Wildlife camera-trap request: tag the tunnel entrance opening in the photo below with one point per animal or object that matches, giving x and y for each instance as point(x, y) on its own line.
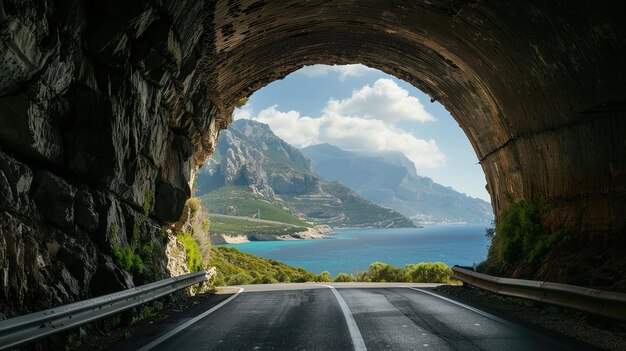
point(519, 108)
point(295, 138)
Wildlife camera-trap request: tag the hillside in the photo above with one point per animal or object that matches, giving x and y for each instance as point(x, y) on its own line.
point(391, 180)
point(235, 268)
point(254, 171)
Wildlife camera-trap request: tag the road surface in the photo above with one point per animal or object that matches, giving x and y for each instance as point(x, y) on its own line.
point(348, 316)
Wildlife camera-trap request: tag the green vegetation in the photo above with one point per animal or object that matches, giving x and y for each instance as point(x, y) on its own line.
point(148, 198)
point(149, 309)
point(198, 226)
point(519, 236)
point(194, 257)
point(240, 201)
point(127, 259)
point(131, 257)
point(425, 272)
point(241, 101)
point(236, 226)
point(344, 278)
point(125, 256)
point(235, 268)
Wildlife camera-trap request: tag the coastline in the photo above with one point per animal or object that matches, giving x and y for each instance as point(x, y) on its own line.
point(314, 233)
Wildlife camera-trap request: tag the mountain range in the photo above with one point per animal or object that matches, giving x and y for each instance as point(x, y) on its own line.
point(390, 179)
point(268, 177)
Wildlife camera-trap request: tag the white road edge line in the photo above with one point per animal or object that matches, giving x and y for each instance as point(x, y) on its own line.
point(483, 313)
point(181, 327)
point(491, 316)
point(355, 334)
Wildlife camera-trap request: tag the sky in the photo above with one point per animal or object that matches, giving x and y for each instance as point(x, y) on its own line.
point(361, 109)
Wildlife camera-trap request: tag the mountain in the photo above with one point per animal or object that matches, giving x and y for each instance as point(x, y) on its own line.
point(259, 170)
point(390, 179)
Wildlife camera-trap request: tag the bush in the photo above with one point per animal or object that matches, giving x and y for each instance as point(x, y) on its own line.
point(428, 272)
point(343, 278)
point(128, 259)
point(241, 101)
point(194, 206)
point(520, 234)
point(323, 277)
point(239, 279)
point(194, 257)
point(383, 272)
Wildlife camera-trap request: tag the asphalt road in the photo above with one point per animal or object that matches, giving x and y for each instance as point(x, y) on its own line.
point(349, 317)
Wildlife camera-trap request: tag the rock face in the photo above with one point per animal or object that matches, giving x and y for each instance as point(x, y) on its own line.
point(250, 155)
point(120, 101)
point(103, 113)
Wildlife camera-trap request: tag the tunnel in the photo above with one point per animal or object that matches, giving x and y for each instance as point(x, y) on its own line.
point(108, 108)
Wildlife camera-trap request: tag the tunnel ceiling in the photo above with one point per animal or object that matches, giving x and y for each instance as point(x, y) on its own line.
point(526, 81)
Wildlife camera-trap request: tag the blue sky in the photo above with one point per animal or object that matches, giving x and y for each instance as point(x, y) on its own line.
point(361, 109)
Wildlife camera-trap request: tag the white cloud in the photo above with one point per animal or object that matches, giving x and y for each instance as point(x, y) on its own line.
point(385, 100)
point(344, 71)
point(244, 112)
point(351, 133)
point(363, 122)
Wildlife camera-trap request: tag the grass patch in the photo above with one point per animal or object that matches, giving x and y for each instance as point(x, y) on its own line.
point(193, 257)
point(240, 201)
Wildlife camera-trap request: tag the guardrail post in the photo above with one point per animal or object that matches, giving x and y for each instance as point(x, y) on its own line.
point(22, 330)
point(604, 303)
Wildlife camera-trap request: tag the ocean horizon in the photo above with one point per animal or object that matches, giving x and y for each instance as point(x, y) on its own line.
point(353, 250)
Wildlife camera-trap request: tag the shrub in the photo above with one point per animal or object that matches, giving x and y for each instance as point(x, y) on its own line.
point(323, 277)
point(383, 272)
point(128, 259)
point(239, 279)
point(193, 257)
point(241, 101)
point(344, 278)
point(194, 207)
point(428, 272)
point(520, 234)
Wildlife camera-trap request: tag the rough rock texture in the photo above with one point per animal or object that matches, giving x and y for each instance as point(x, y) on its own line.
point(264, 167)
point(120, 101)
point(104, 114)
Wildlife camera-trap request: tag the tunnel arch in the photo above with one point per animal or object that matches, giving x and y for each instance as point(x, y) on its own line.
point(521, 94)
point(108, 107)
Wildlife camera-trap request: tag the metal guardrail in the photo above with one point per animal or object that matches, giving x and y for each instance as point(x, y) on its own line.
point(26, 329)
point(604, 303)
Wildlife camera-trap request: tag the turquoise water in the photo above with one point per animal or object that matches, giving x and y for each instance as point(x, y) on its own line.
point(351, 250)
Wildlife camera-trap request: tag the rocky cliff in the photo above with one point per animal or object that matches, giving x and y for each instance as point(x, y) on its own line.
point(249, 154)
point(102, 116)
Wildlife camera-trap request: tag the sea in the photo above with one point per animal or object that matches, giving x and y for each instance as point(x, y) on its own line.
point(352, 250)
